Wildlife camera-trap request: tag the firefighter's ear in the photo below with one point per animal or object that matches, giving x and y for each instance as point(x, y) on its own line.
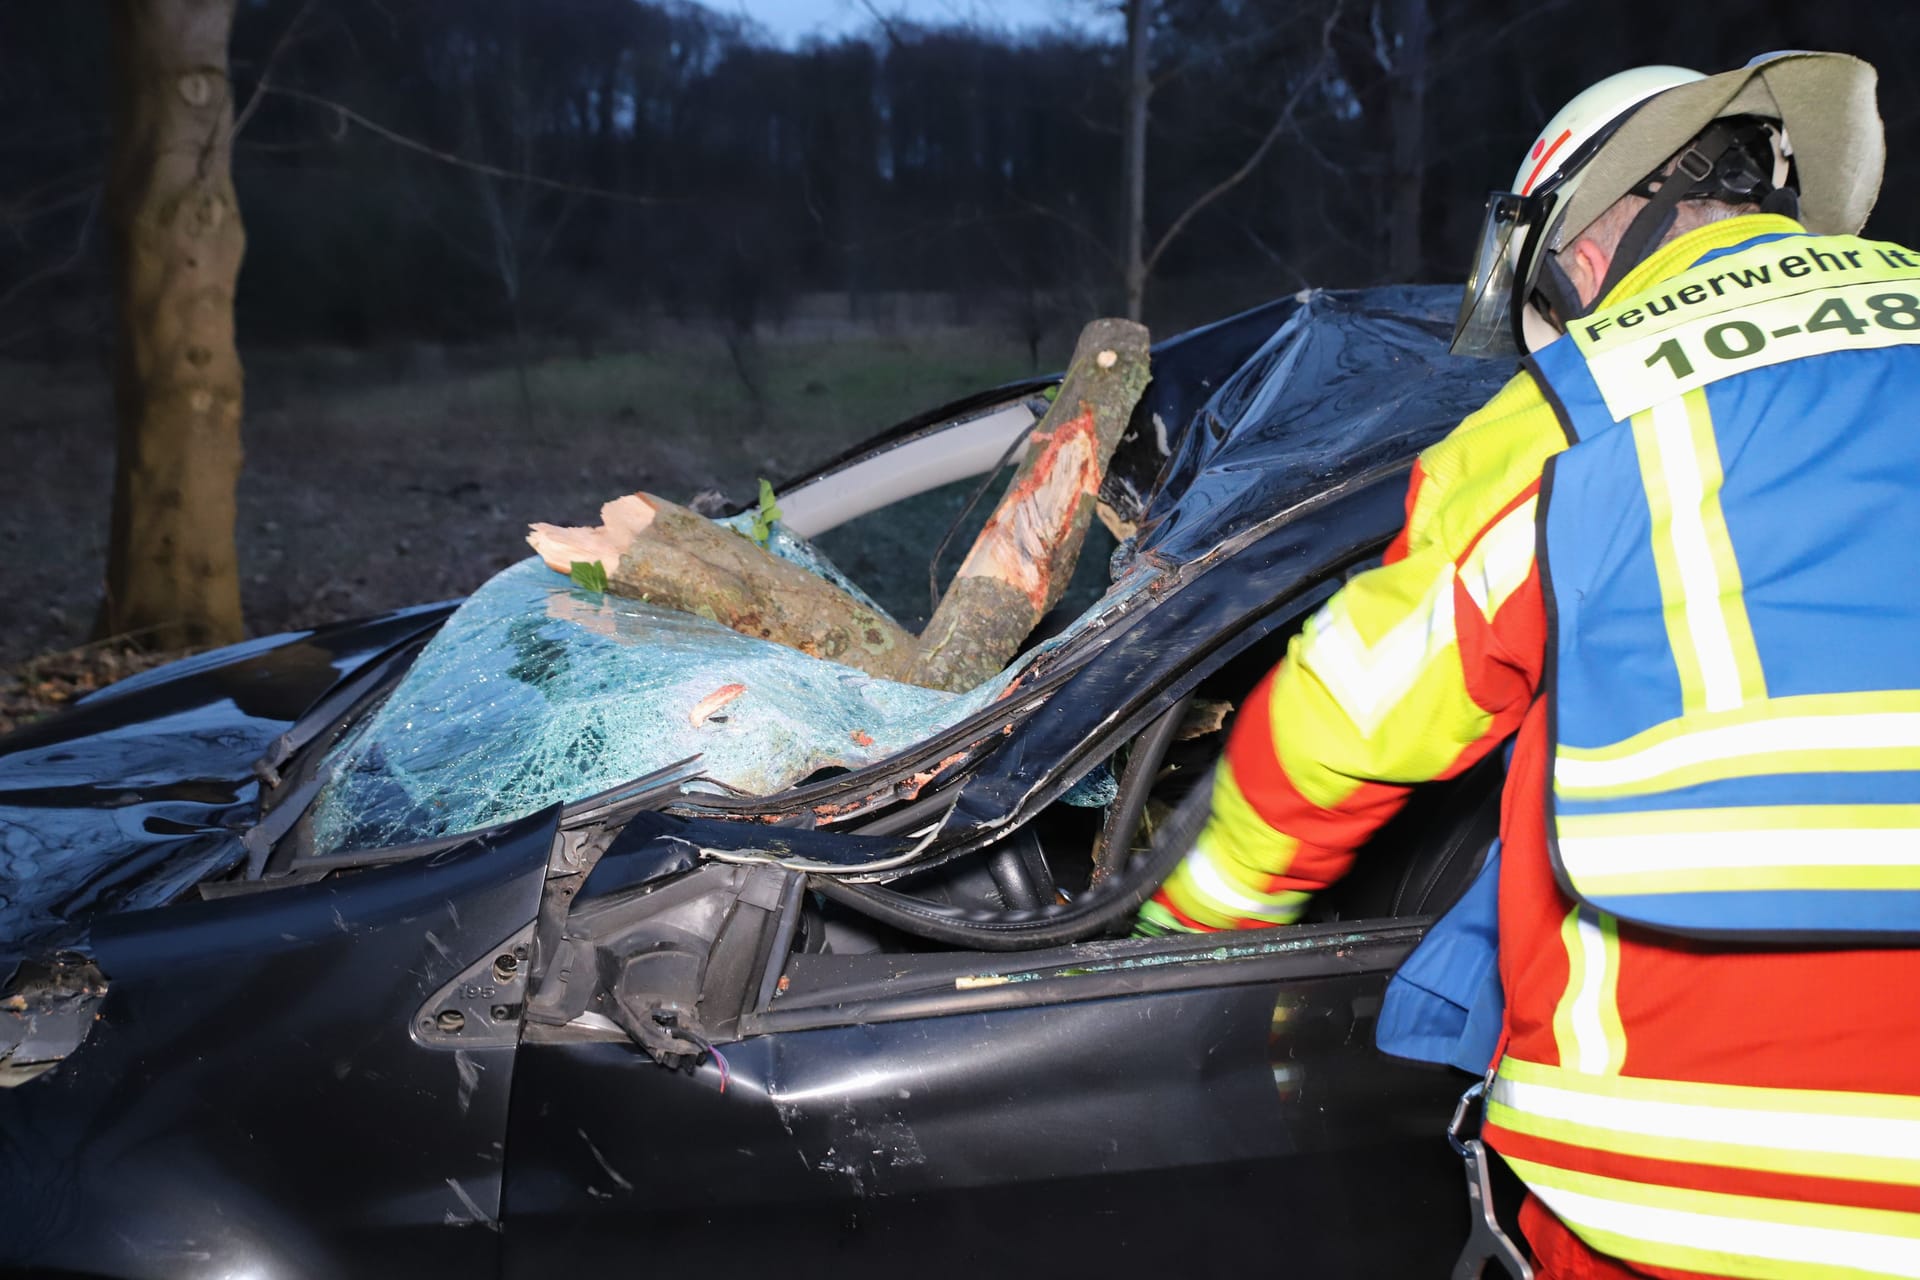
point(1586, 262)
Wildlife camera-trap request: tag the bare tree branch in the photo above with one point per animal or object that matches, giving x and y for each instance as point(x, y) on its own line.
point(1072, 224)
point(1185, 65)
point(1280, 125)
point(18, 214)
point(888, 26)
point(1481, 48)
point(348, 115)
point(64, 265)
point(1271, 254)
point(265, 77)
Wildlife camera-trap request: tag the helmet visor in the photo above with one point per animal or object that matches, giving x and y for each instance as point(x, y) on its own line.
point(1485, 326)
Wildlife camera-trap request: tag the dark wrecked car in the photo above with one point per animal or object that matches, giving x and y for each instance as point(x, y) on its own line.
point(487, 939)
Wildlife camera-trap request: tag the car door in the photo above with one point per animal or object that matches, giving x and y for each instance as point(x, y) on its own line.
point(1190, 1103)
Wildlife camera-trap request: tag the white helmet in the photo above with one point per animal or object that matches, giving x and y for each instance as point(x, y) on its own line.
point(1797, 124)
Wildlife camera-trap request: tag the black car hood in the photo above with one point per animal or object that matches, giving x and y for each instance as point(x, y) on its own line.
point(142, 790)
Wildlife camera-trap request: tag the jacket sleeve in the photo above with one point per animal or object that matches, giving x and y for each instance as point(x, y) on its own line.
point(1413, 672)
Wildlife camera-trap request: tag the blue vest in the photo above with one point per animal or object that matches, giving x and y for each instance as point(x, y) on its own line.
point(1730, 550)
point(1730, 554)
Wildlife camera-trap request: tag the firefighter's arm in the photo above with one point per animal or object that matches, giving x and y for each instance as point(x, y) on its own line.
point(1412, 673)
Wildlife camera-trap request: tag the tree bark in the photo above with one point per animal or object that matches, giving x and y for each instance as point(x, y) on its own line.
point(1025, 556)
point(1019, 566)
point(656, 551)
point(172, 569)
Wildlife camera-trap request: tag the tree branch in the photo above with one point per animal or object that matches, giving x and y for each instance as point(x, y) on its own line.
point(64, 265)
point(348, 115)
point(1072, 224)
point(1271, 254)
point(262, 82)
point(888, 26)
point(1187, 64)
point(1479, 49)
point(1252, 162)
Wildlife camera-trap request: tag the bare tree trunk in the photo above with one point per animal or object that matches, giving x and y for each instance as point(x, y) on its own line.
point(1405, 259)
point(172, 570)
point(1134, 164)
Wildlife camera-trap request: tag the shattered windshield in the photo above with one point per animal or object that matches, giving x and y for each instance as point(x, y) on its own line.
point(538, 691)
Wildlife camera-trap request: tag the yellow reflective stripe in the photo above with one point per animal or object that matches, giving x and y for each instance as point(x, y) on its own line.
point(1707, 626)
point(1673, 594)
point(1806, 733)
point(1612, 1028)
point(1727, 1234)
point(1566, 1039)
point(1693, 1093)
point(1765, 847)
point(1586, 1021)
point(1236, 830)
point(1207, 876)
point(1683, 1257)
point(1368, 681)
point(1734, 625)
point(1802, 1213)
point(1501, 560)
point(1216, 883)
point(1413, 725)
point(1757, 818)
point(1901, 1170)
point(1744, 879)
point(1801, 707)
point(1816, 1133)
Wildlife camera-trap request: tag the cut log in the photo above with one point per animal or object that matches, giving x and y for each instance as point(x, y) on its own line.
point(657, 551)
point(1020, 564)
point(1025, 556)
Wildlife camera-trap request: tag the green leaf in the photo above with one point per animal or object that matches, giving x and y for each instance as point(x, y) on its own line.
point(590, 574)
point(763, 518)
point(1052, 393)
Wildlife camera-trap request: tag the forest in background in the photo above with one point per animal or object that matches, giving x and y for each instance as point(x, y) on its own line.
point(681, 163)
point(507, 257)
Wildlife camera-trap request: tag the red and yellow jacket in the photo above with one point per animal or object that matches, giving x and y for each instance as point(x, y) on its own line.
point(1413, 673)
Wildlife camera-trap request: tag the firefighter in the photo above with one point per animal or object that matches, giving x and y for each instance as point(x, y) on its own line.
point(1675, 563)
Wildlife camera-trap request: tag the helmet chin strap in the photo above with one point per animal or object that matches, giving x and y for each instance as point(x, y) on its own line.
point(1648, 228)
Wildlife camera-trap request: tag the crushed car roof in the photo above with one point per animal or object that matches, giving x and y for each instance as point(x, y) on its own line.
point(1265, 434)
point(538, 691)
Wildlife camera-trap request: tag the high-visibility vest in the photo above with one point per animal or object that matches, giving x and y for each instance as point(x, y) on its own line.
point(1730, 553)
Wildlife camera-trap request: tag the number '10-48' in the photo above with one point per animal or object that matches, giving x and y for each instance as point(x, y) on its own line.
point(1737, 339)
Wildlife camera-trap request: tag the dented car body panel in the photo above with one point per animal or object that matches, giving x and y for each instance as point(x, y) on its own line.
point(254, 1099)
point(1246, 1125)
point(505, 1051)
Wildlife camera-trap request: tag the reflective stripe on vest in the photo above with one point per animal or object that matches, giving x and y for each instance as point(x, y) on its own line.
point(1734, 678)
point(1853, 1137)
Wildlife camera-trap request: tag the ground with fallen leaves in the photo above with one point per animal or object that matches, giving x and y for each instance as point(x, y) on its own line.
point(375, 480)
point(42, 685)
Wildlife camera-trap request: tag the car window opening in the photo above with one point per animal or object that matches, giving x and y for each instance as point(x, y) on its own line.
point(1414, 868)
